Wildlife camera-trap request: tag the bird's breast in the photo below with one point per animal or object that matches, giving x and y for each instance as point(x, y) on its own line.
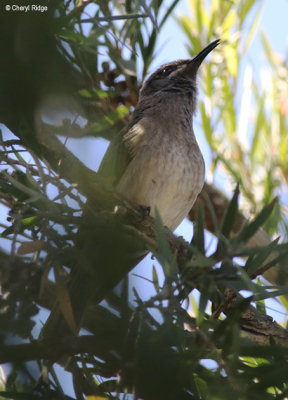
point(167, 170)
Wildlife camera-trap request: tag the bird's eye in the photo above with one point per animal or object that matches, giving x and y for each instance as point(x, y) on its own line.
point(167, 70)
point(162, 73)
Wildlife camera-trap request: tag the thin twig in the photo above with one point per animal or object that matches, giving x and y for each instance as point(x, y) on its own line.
point(114, 18)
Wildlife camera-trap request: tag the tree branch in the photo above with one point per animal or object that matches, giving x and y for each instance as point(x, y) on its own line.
point(70, 168)
point(212, 198)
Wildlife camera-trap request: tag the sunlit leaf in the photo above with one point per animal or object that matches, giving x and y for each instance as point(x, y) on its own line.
point(128, 67)
point(270, 54)
point(229, 20)
point(232, 59)
point(155, 279)
point(253, 29)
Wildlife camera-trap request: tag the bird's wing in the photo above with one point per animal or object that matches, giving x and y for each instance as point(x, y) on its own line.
point(116, 159)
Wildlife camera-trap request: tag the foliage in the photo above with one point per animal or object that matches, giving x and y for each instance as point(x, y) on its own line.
point(158, 348)
point(247, 131)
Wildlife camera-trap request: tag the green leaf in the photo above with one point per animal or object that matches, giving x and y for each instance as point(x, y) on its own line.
point(198, 240)
point(256, 261)
point(201, 386)
point(199, 17)
point(85, 93)
point(203, 302)
point(168, 13)
point(128, 67)
point(251, 228)
point(231, 214)
point(271, 294)
point(229, 20)
point(71, 35)
point(252, 30)
point(19, 395)
point(228, 222)
point(107, 386)
point(206, 124)
point(199, 260)
point(109, 120)
point(155, 279)
point(260, 304)
point(270, 54)
point(163, 254)
point(245, 7)
point(147, 10)
point(256, 143)
point(186, 25)
point(26, 223)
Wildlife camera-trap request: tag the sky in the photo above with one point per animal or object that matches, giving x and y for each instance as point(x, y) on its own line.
point(273, 21)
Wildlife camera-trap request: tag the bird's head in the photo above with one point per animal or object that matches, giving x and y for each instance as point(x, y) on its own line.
point(176, 75)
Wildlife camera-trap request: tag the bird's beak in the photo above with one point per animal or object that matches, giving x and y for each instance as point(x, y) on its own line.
point(195, 63)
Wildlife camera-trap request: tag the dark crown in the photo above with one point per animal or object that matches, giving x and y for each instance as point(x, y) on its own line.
point(181, 73)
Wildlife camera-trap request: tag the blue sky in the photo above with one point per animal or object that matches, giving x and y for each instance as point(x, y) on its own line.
point(273, 22)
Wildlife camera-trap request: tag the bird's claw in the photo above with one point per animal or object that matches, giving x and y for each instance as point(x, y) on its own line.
point(144, 210)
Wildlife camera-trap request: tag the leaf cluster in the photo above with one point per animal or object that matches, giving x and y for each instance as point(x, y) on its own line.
point(243, 107)
point(156, 347)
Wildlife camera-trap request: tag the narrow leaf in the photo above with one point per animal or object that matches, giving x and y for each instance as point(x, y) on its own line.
point(251, 228)
point(163, 253)
point(231, 214)
point(64, 300)
point(30, 247)
point(198, 237)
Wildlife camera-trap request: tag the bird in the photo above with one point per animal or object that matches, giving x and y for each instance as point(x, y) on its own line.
point(156, 161)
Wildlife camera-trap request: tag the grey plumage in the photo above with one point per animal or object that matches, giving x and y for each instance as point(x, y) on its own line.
point(156, 160)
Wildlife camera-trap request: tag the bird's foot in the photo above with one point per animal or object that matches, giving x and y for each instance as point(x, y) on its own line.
point(144, 210)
